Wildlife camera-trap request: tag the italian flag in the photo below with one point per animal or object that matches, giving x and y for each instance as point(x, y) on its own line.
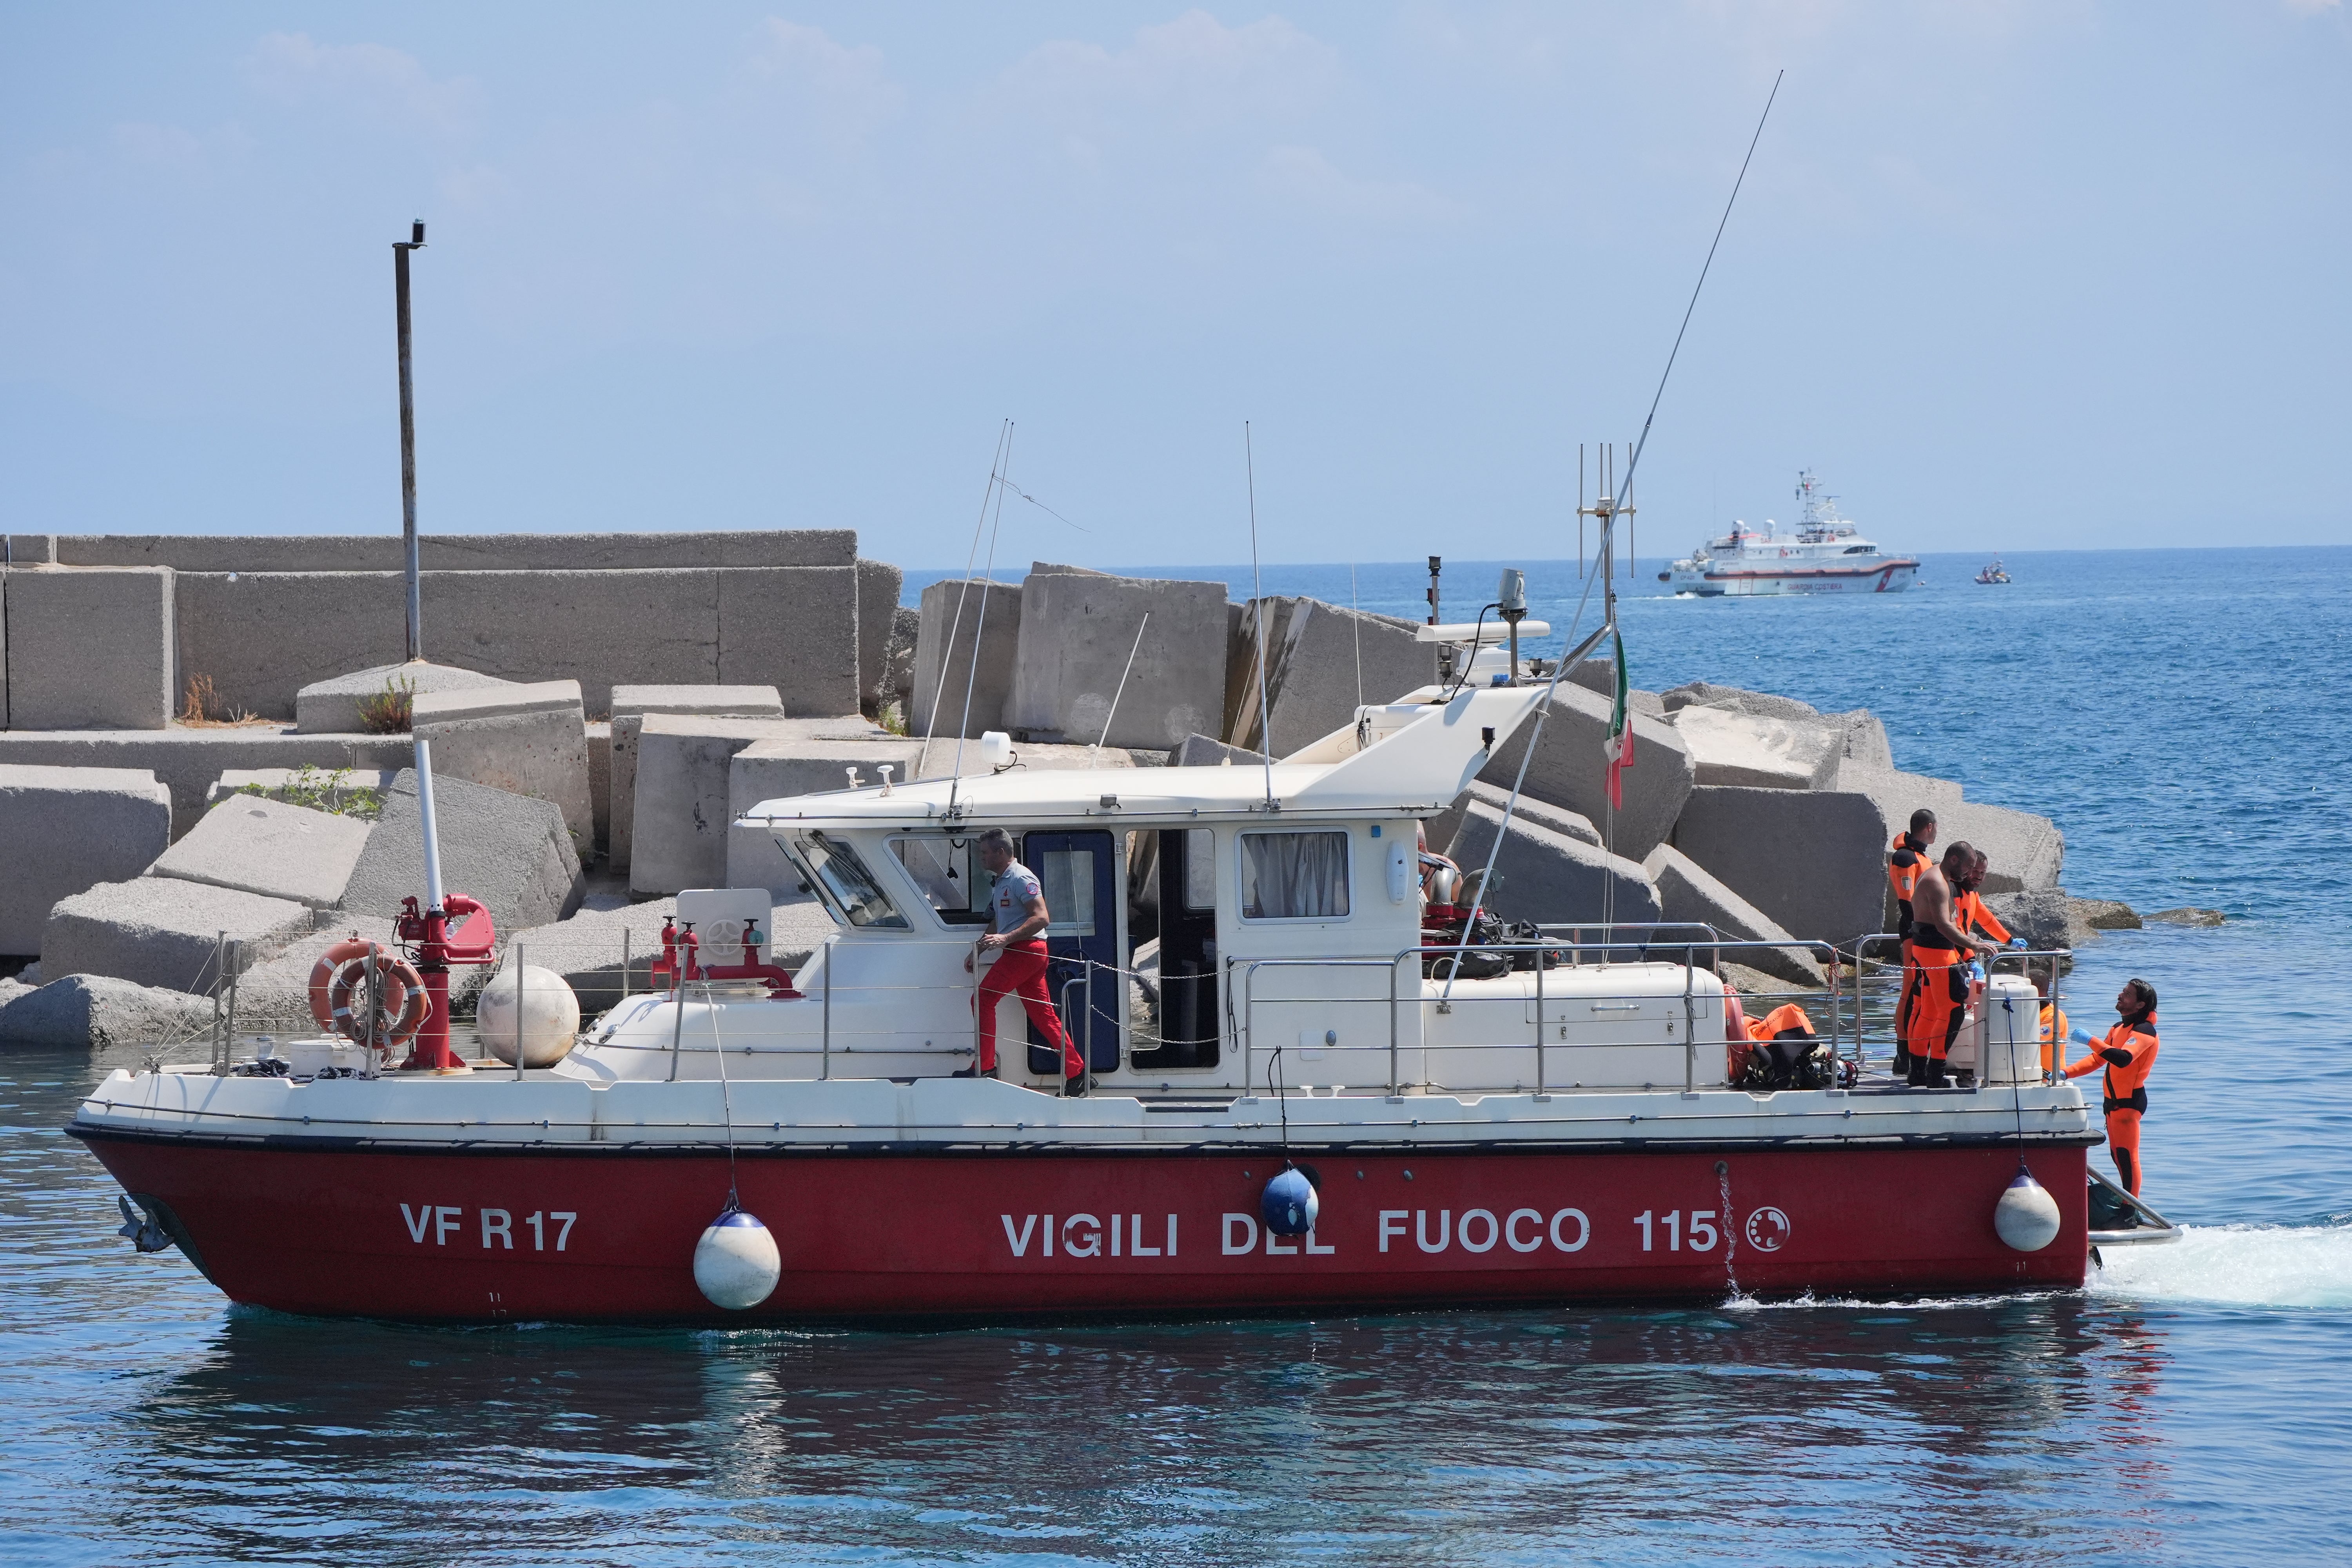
point(1619, 747)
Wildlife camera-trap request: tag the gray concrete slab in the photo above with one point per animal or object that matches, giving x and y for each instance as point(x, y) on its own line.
point(1072, 674)
point(1601, 675)
point(2023, 852)
point(630, 704)
point(1728, 746)
point(1813, 861)
point(906, 631)
point(1761, 704)
point(160, 931)
point(1568, 824)
point(257, 845)
point(66, 829)
point(1548, 877)
point(595, 628)
point(879, 586)
point(95, 1012)
point(1570, 771)
point(1206, 751)
point(261, 637)
point(525, 740)
point(1866, 745)
point(959, 690)
point(600, 782)
point(254, 554)
point(188, 761)
point(680, 828)
point(332, 707)
point(342, 791)
point(90, 649)
point(510, 852)
point(795, 628)
point(774, 769)
point(1688, 891)
point(1327, 661)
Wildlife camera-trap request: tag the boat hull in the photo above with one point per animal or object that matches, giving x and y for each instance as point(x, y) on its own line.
point(1743, 583)
point(1002, 1234)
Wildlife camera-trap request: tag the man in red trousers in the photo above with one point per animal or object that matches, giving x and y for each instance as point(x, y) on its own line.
point(1017, 906)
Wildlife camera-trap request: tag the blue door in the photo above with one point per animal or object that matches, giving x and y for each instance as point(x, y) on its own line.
point(1081, 903)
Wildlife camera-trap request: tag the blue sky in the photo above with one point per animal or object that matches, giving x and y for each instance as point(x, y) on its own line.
point(2006, 274)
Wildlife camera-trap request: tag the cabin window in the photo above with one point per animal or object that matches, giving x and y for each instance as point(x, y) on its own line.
point(846, 883)
point(1200, 869)
point(943, 869)
point(1294, 876)
point(1068, 877)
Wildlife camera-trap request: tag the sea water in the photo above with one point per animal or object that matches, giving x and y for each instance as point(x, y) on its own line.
point(2180, 713)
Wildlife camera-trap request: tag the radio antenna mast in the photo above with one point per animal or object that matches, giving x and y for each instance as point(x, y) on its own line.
point(1257, 588)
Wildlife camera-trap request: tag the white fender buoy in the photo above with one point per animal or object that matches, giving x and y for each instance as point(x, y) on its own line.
point(1290, 1203)
point(549, 1009)
point(736, 1264)
point(2026, 1217)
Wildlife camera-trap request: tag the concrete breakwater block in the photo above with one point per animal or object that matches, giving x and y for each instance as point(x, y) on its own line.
point(1321, 658)
point(189, 760)
point(160, 931)
point(1549, 877)
point(513, 853)
point(89, 648)
point(1688, 891)
point(525, 740)
point(95, 1012)
point(345, 792)
point(2023, 852)
point(1601, 675)
point(1731, 747)
point(332, 707)
point(1570, 771)
point(1207, 752)
point(1738, 700)
point(1814, 862)
point(782, 769)
point(680, 821)
point(630, 706)
point(65, 830)
point(257, 845)
point(1073, 657)
point(274, 995)
point(1443, 828)
point(937, 761)
point(964, 656)
point(879, 586)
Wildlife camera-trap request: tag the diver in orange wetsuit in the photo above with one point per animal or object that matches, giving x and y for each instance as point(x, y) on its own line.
point(2128, 1054)
point(1906, 860)
point(1936, 995)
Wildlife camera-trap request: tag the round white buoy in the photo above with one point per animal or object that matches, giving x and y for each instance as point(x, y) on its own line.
point(1289, 1203)
point(2026, 1217)
point(549, 1012)
point(736, 1264)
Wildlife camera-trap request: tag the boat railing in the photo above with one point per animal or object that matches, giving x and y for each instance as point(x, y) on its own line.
point(1594, 945)
point(1875, 979)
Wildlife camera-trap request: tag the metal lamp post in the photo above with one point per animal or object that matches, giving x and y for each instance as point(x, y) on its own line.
point(400, 250)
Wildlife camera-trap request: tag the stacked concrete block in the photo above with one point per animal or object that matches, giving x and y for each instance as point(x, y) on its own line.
point(261, 636)
point(782, 769)
point(964, 656)
point(1760, 704)
point(795, 628)
point(1688, 892)
point(1730, 747)
point(161, 932)
point(65, 830)
point(937, 761)
point(630, 706)
point(906, 631)
point(332, 707)
point(89, 648)
point(1866, 745)
point(1570, 771)
point(681, 820)
point(1549, 877)
point(1443, 829)
point(2023, 852)
point(1206, 751)
point(600, 780)
point(1122, 661)
point(99, 1013)
point(879, 584)
point(6, 573)
point(511, 853)
point(525, 740)
point(1601, 675)
point(1812, 861)
point(1322, 657)
point(189, 760)
point(257, 845)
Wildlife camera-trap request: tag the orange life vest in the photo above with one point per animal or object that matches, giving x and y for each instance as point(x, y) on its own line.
point(1904, 862)
point(1968, 914)
point(2053, 1037)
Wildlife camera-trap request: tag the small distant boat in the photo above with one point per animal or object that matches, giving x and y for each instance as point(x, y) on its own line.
point(1993, 574)
point(1827, 554)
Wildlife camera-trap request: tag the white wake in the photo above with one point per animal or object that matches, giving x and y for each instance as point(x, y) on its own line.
point(2241, 1265)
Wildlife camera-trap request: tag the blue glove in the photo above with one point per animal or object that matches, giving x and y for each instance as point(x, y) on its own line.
point(2017, 943)
point(2082, 1037)
point(1976, 972)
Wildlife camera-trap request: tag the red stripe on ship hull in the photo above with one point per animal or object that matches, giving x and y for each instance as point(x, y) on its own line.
point(910, 1237)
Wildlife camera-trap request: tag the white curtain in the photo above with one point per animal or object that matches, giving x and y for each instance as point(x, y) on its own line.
point(1295, 876)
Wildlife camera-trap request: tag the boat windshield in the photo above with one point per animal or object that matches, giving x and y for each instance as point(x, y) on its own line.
point(847, 885)
point(941, 867)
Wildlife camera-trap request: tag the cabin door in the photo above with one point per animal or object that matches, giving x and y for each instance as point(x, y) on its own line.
point(1079, 877)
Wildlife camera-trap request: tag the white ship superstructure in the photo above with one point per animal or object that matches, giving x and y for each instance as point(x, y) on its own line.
point(1827, 554)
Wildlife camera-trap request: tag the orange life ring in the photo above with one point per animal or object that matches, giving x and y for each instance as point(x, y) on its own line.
point(336, 979)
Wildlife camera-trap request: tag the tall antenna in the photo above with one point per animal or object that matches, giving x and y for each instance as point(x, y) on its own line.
point(1257, 588)
point(400, 250)
point(987, 579)
point(955, 627)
